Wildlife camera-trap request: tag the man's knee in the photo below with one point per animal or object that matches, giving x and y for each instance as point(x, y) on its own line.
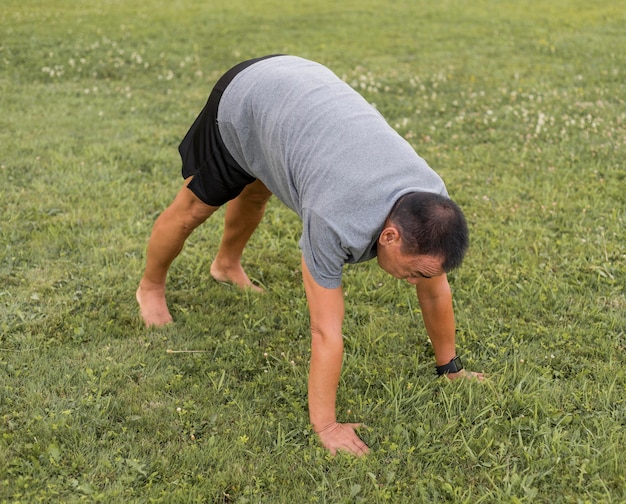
point(199, 212)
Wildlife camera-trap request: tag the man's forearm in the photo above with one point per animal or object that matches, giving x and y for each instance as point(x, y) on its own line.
point(326, 359)
point(438, 315)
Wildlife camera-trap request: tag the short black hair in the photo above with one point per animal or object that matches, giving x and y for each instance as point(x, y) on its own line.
point(431, 224)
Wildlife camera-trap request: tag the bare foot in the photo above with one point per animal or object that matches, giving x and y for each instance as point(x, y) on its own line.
point(152, 306)
point(234, 275)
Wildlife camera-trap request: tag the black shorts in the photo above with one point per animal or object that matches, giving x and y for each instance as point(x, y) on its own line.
point(217, 177)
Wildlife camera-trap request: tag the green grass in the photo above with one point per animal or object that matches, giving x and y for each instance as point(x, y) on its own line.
point(519, 105)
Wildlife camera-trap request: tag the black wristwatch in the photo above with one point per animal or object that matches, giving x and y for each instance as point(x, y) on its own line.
point(454, 366)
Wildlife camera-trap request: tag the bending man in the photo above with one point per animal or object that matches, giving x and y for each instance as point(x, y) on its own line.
point(288, 126)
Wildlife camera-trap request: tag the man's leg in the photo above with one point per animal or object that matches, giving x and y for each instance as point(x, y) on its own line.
point(168, 236)
point(243, 215)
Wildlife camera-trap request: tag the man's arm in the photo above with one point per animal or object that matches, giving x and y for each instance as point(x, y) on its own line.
point(326, 310)
point(435, 298)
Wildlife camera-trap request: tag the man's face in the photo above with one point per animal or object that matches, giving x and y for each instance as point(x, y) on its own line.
point(411, 268)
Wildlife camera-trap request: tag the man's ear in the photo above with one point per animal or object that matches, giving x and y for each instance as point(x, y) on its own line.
point(389, 235)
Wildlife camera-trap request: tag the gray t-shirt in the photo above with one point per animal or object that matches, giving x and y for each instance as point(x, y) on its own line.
point(324, 152)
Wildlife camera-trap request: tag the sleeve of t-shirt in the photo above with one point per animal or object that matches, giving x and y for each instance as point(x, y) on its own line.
point(322, 250)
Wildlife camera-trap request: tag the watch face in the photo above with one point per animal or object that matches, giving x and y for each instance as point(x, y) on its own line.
point(458, 365)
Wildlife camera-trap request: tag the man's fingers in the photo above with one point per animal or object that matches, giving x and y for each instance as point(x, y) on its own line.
point(357, 448)
point(472, 375)
point(356, 426)
point(361, 448)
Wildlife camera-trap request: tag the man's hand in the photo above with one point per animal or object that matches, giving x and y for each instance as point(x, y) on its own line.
point(470, 375)
point(337, 436)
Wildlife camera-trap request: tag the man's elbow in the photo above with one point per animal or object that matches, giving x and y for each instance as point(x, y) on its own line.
point(324, 337)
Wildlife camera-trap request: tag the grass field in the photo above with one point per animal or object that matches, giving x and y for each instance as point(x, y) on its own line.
point(519, 105)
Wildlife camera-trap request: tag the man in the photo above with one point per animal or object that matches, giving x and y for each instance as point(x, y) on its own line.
point(287, 126)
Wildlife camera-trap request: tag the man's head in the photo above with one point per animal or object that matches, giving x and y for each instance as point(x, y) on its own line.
point(425, 235)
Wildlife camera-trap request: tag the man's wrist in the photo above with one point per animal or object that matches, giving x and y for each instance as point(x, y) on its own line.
point(323, 427)
point(454, 366)
point(321, 422)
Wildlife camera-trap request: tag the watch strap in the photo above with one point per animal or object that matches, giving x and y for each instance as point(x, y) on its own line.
point(454, 366)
